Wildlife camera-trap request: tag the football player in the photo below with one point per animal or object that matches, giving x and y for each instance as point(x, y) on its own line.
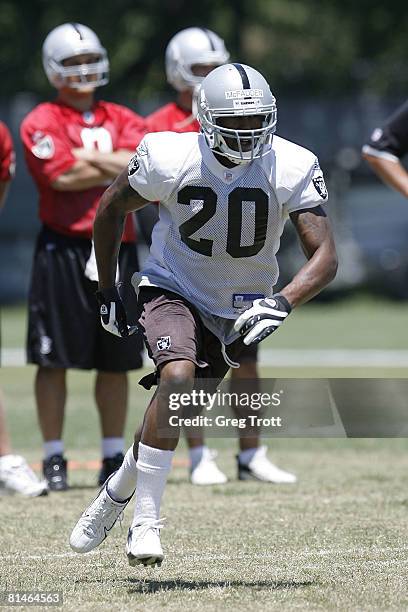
point(224, 198)
point(15, 475)
point(387, 146)
point(74, 147)
point(190, 55)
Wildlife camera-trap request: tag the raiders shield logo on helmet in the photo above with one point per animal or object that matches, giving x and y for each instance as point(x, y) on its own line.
point(320, 187)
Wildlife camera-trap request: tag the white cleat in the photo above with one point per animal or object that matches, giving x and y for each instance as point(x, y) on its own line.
point(260, 468)
point(16, 476)
point(207, 471)
point(143, 544)
point(96, 522)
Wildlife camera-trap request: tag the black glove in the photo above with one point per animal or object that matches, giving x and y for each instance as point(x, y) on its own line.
point(113, 314)
point(263, 318)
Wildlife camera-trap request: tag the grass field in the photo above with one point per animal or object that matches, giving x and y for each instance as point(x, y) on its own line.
point(336, 540)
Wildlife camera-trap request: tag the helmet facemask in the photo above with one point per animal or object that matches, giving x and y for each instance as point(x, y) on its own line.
point(83, 72)
point(217, 136)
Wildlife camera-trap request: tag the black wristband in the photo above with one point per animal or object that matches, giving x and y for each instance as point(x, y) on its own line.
point(283, 301)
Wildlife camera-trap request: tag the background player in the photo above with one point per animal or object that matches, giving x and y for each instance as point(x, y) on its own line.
point(15, 475)
point(190, 55)
point(74, 147)
point(224, 198)
point(387, 146)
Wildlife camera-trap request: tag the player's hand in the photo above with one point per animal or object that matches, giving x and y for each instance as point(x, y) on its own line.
point(263, 318)
point(83, 154)
point(113, 314)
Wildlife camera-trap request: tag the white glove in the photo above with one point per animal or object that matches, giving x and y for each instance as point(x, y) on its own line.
point(263, 318)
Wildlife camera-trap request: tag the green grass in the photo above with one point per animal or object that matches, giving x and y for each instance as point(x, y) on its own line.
point(337, 540)
point(356, 322)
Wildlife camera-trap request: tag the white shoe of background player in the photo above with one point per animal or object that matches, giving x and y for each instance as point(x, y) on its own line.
point(16, 476)
point(207, 472)
point(260, 468)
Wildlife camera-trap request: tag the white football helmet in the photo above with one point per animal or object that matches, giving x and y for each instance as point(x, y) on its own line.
point(188, 47)
point(236, 90)
point(69, 40)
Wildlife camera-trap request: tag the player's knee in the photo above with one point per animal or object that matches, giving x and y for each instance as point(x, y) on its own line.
point(177, 377)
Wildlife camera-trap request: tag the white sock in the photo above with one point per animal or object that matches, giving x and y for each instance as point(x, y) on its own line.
point(53, 447)
point(245, 457)
point(153, 466)
point(196, 454)
point(112, 446)
point(123, 483)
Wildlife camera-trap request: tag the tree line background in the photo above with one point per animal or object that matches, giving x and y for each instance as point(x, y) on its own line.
point(329, 48)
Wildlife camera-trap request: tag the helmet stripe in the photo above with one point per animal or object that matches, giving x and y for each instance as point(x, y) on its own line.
point(77, 30)
point(208, 33)
point(244, 76)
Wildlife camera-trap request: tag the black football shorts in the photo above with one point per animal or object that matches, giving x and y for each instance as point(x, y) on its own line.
point(64, 327)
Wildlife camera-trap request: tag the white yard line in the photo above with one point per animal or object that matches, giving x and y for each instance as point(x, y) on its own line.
point(289, 358)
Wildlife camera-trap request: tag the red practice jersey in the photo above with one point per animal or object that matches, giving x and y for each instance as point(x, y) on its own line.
point(49, 133)
point(6, 154)
point(171, 118)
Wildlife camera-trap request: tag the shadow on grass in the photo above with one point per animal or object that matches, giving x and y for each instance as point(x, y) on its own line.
point(156, 586)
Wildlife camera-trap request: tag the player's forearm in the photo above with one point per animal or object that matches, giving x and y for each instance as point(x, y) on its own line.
point(82, 175)
point(117, 201)
point(316, 238)
point(391, 172)
point(107, 233)
point(110, 164)
point(314, 276)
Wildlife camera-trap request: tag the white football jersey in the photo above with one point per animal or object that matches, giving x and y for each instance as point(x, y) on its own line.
point(219, 228)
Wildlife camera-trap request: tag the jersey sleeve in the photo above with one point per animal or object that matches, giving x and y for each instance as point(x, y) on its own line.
point(47, 150)
point(150, 171)
point(310, 191)
point(7, 157)
point(132, 129)
point(391, 140)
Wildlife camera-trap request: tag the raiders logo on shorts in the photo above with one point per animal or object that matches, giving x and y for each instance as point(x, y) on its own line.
point(133, 165)
point(320, 186)
point(163, 343)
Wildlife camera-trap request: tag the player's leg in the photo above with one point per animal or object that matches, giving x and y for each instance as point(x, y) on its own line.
point(50, 396)
point(15, 474)
point(170, 334)
point(111, 389)
point(173, 337)
point(252, 461)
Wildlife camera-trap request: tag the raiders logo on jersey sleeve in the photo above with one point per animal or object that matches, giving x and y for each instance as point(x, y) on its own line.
point(133, 165)
point(43, 146)
point(320, 186)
